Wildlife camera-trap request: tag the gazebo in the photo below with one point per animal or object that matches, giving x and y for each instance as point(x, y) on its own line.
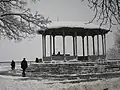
point(74, 29)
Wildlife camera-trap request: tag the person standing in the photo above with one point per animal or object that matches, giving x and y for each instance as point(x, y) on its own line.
point(13, 65)
point(37, 60)
point(24, 65)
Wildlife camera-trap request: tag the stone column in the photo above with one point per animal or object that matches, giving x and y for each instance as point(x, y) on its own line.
point(54, 45)
point(105, 44)
point(98, 44)
point(93, 45)
point(76, 44)
point(64, 45)
point(83, 46)
point(87, 45)
point(50, 46)
point(102, 45)
point(73, 45)
point(43, 46)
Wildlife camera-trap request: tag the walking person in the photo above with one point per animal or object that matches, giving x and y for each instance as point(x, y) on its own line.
point(13, 65)
point(24, 65)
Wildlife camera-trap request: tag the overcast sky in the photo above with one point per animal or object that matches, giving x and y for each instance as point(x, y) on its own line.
point(64, 10)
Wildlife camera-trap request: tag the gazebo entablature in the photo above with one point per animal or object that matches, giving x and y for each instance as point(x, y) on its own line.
point(71, 31)
point(74, 32)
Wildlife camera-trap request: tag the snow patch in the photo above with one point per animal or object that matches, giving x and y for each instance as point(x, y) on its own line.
point(72, 24)
point(10, 83)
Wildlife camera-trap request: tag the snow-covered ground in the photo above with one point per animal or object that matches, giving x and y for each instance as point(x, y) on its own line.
point(24, 83)
point(33, 83)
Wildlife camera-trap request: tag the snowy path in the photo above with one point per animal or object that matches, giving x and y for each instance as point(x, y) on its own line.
point(24, 83)
point(32, 83)
point(14, 83)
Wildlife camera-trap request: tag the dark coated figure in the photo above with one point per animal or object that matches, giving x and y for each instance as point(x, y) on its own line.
point(105, 89)
point(13, 65)
point(37, 60)
point(24, 65)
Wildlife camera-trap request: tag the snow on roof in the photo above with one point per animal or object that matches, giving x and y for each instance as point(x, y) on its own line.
point(72, 24)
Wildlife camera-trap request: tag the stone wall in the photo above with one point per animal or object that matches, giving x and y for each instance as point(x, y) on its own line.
point(61, 68)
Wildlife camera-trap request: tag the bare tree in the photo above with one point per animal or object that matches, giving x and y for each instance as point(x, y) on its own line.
point(113, 53)
point(117, 40)
point(106, 11)
point(17, 21)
